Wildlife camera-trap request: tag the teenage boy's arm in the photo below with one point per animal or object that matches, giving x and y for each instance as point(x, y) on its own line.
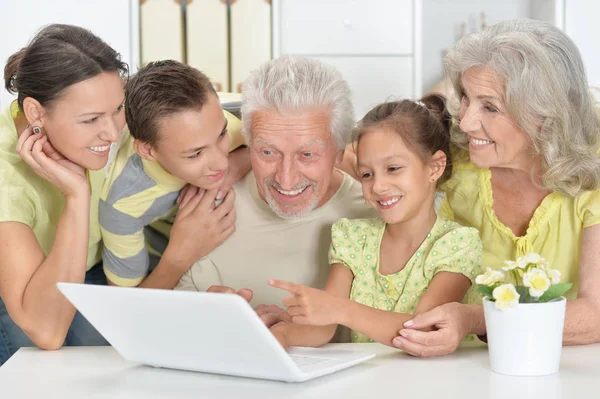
point(197, 231)
point(316, 307)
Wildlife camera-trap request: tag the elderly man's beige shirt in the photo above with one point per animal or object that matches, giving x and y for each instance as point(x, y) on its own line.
point(266, 246)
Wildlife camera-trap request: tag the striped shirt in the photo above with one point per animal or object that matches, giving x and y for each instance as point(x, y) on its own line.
point(137, 207)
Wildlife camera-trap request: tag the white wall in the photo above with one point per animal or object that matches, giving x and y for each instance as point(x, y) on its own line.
point(582, 24)
point(115, 21)
point(441, 21)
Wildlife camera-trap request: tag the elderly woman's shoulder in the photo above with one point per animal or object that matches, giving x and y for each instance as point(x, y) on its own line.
point(464, 173)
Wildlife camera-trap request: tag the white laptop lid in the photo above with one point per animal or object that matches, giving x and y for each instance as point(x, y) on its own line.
point(167, 328)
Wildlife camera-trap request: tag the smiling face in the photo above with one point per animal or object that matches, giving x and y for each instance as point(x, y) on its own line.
point(194, 145)
point(495, 139)
point(293, 158)
point(84, 120)
point(395, 180)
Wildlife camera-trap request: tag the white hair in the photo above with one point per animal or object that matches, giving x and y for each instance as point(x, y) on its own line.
point(545, 91)
point(294, 84)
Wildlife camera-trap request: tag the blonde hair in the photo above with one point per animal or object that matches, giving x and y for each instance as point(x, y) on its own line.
point(546, 92)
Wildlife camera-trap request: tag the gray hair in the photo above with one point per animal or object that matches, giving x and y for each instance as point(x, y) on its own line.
point(293, 84)
point(546, 92)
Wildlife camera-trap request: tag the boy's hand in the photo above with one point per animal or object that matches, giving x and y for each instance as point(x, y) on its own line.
point(189, 192)
point(199, 228)
point(309, 305)
point(239, 165)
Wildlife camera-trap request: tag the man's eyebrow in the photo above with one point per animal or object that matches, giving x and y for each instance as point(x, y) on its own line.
point(316, 141)
point(265, 142)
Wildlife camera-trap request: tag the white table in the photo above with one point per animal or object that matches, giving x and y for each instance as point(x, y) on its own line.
point(100, 372)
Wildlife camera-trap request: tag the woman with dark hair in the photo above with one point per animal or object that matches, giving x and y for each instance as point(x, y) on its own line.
point(54, 141)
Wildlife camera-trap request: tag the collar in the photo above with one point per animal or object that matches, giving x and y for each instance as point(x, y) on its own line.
point(161, 176)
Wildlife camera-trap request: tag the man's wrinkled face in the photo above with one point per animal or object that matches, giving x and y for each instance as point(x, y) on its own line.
point(293, 158)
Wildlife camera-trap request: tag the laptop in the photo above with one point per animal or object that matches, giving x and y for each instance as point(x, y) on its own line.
point(199, 331)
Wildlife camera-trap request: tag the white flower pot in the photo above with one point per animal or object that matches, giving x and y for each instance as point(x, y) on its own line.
point(525, 340)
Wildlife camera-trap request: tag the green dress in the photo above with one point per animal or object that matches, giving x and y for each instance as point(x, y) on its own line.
point(448, 247)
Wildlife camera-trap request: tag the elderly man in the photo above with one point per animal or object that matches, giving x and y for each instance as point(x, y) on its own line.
point(297, 120)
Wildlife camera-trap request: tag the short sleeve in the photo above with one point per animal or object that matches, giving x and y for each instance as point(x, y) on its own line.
point(16, 203)
point(346, 244)
point(588, 208)
point(458, 251)
point(124, 254)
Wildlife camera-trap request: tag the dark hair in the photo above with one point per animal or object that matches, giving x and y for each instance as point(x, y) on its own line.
point(56, 58)
point(161, 89)
point(424, 126)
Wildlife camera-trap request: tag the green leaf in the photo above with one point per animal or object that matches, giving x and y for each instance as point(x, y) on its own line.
point(524, 296)
point(485, 291)
point(555, 291)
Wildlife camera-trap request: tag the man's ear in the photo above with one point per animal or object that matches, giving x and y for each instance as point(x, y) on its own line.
point(34, 112)
point(144, 150)
point(437, 165)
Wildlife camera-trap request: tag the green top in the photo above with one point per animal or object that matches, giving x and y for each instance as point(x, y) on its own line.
point(448, 247)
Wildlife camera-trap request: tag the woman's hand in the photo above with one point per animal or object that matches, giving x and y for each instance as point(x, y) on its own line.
point(451, 323)
point(42, 157)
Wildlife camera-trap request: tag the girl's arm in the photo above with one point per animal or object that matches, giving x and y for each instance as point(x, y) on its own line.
point(315, 305)
point(322, 308)
point(383, 326)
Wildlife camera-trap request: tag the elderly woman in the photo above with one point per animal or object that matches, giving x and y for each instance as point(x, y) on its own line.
point(527, 175)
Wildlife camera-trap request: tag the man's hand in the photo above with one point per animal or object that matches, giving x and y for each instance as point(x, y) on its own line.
point(278, 331)
point(272, 315)
point(450, 323)
point(309, 305)
point(244, 292)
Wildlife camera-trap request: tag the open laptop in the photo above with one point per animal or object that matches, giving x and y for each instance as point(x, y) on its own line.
point(198, 331)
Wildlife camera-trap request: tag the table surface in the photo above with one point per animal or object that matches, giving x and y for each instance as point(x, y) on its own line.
point(100, 372)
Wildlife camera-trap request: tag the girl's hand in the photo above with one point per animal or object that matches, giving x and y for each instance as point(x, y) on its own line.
point(46, 162)
point(309, 305)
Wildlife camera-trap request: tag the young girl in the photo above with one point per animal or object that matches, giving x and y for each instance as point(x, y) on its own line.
point(408, 261)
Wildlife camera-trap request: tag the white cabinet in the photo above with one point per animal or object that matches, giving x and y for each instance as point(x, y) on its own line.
point(115, 21)
point(371, 42)
point(346, 27)
point(389, 49)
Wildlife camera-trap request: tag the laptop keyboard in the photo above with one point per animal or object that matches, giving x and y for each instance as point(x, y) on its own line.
point(308, 362)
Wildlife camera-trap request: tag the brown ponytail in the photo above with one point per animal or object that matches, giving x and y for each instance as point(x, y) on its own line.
point(10, 70)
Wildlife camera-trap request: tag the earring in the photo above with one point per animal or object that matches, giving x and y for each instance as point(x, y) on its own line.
point(432, 179)
point(37, 130)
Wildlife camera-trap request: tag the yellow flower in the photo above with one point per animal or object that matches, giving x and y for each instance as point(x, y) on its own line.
point(490, 277)
point(537, 280)
point(506, 296)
